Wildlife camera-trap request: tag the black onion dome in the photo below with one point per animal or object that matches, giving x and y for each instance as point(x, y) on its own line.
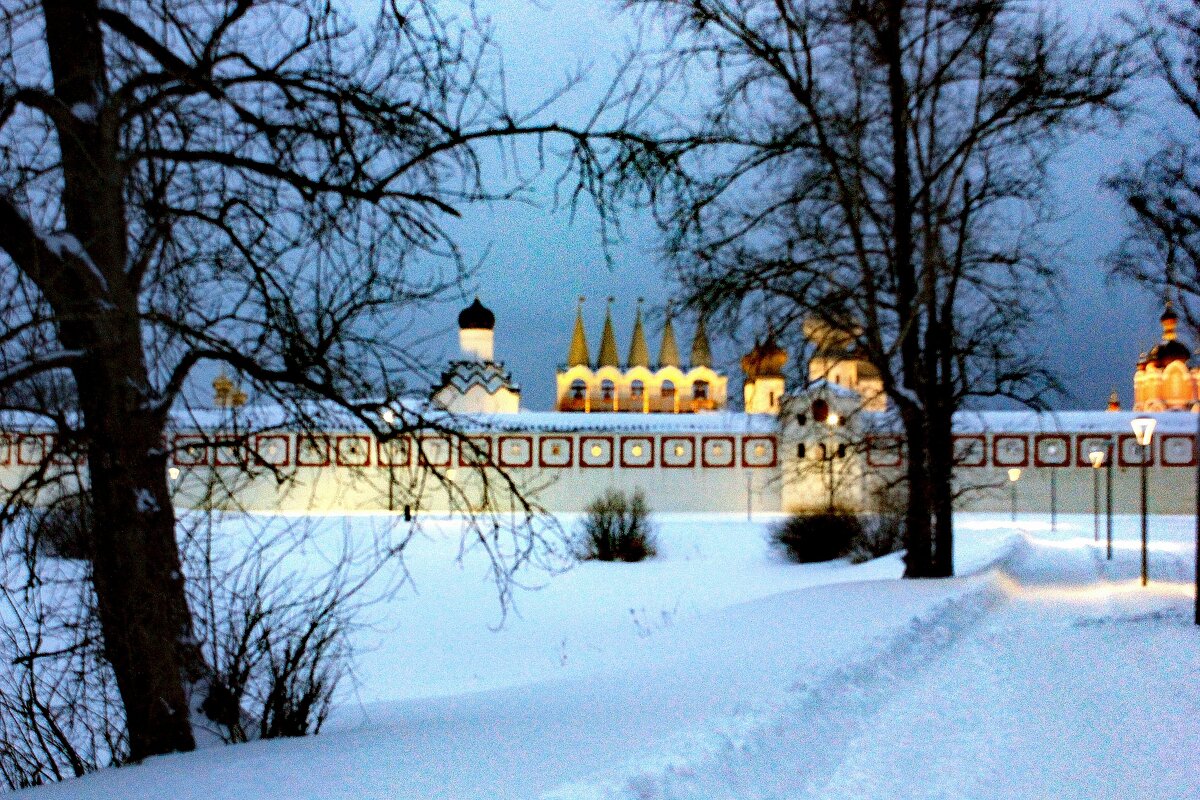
point(476, 316)
point(1164, 353)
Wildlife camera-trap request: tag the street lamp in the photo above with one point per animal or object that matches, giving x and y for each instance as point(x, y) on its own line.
point(1052, 451)
point(1097, 459)
point(1196, 455)
point(830, 452)
point(1143, 430)
point(1108, 464)
point(1014, 475)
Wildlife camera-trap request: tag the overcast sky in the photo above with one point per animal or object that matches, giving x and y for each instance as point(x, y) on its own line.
point(539, 262)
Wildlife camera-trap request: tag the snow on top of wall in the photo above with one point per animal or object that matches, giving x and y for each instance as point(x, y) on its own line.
point(421, 414)
point(715, 422)
point(1097, 422)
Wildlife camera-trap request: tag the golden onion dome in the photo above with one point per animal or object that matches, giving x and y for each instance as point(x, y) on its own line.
point(765, 360)
point(1170, 349)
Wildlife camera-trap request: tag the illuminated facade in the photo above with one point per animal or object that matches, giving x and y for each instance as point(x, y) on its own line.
point(637, 385)
point(1163, 381)
point(836, 361)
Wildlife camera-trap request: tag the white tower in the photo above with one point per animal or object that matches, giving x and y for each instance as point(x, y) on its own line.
point(476, 383)
point(764, 377)
point(476, 332)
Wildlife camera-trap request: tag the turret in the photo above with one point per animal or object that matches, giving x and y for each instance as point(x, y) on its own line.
point(476, 332)
point(639, 353)
point(765, 385)
point(578, 355)
point(701, 354)
point(668, 352)
point(608, 341)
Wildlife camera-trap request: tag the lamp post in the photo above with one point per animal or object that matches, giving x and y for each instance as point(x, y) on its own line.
point(1014, 475)
point(1052, 451)
point(1108, 464)
point(749, 496)
point(1097, 459)
point(831, 450)
point(1143, 429)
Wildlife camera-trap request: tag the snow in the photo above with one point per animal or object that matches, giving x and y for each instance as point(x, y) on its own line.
point(717, 670)
point(1026, 422)
point(85, 112)
point(146, 504)
point(63, 244)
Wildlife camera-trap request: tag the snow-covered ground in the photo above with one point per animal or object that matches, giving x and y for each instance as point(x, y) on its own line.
point(716, 670)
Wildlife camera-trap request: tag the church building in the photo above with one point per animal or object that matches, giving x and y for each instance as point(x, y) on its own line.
point(666, 385)
point(1163, 381)
point(475, 382)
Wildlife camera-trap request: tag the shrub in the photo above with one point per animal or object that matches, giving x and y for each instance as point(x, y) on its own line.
point(882, 534)
point(617, 528)
point(820, 536)
point(883, 531)
point(63, 528)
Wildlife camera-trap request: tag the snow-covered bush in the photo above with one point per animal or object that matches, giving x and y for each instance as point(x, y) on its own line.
point(820, 536)
point(60, 712)
point(882, 534)
point(617, 528)
point(273, 628)
point(62, 529)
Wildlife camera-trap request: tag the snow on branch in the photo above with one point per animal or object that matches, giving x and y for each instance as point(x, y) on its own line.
point(64, 244)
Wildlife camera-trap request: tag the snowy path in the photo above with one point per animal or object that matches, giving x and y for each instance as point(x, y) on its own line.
point(1078, 686)
point(1078, 683)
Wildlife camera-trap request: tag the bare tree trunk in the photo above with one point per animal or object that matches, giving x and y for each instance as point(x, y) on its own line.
point(138, 581)
point(941, 461)
point(139, 587)
point(918, 534)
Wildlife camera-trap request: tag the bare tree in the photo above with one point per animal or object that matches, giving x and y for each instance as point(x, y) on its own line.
point(1163, 194)
point(260, 185)
point(880, 166)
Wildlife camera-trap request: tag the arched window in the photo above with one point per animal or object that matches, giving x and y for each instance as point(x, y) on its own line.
point(700, 390)
point(802, 419)
point(606, 389)
point(1177, 389)
point(820, 410)
point(668, 389)
point(578, 389)
point(800, 450)
point(637, 389)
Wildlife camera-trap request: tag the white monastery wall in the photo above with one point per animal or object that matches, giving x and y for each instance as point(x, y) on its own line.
point(698, 462)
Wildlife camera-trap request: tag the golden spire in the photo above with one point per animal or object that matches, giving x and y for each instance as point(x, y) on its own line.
point(608, 341)
point(701, 355)
point(1170, 322)
point(639, 353)
point(577, 356)
point(226, 394)
point(668, 353)
point(1114, 401)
